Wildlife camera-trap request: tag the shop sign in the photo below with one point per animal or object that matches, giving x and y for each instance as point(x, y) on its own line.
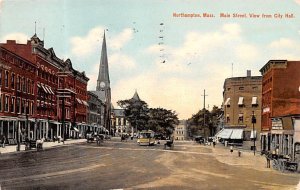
point(265, 110)
point(277, 124)
point(4, 66)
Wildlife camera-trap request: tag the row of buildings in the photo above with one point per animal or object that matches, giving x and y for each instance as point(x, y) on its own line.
point(273, 99)
point(43, 96)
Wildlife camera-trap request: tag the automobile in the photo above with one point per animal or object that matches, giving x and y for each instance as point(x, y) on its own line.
point(210, 139)
point(199, 139)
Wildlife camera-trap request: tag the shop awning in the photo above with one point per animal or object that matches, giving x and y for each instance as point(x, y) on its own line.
point(79, 101)
point(225, 133)
point(75, 129)
point(85, 103)
point(50, 90)
point(227, 102)
point(45, 90)
point(254, 100)
point(241, 101)
point(55, 122)
point(237, 134)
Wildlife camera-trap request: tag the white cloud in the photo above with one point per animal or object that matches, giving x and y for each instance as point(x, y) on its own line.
point(83, 46)
point(19, 37)
point(203, 61)
point(1, 4)
point(121, 61)
point(282, 43)
point(86, 45)
point(297, 1)
point(284, 48)
point(121, 39)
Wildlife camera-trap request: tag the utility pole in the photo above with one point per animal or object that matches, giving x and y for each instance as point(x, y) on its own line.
point(204, 108)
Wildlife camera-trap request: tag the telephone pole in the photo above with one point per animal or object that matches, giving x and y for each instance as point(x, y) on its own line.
point(204, 107)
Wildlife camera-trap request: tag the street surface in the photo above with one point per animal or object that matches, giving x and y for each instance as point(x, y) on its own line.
point(125, 165)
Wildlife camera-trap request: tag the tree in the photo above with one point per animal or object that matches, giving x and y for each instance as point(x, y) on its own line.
point(136, 112)
point(162, 120)
point(196, 122)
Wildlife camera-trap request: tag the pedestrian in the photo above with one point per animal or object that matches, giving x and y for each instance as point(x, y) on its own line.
point(3, 141)
point(214, 144)
point(231, 149)
point(268, 160)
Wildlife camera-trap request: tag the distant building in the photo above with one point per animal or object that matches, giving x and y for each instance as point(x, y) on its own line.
point(180, 132)
point(242, 96)
point(95, 115)
point(121, 125)
point(280, 130)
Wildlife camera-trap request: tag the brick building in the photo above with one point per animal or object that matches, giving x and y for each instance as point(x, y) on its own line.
point(242, 96)
point(280, 106)
point(39, 92)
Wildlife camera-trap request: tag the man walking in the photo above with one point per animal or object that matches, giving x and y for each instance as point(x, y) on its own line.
point(268, 160)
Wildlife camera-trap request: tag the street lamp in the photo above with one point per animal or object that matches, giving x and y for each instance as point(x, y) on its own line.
point(254, 135)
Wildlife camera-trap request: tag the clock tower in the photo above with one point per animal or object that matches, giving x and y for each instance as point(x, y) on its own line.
point(103, 86)
point(103, 83)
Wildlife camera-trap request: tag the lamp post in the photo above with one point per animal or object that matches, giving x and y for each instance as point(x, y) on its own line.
point(254, 135)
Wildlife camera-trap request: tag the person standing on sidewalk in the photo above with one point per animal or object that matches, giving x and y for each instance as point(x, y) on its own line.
point(268, 160)
point(3, 141)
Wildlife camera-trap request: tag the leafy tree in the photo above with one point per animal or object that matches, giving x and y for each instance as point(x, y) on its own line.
point(136, 112)
point(162, 120)
point(196, 122)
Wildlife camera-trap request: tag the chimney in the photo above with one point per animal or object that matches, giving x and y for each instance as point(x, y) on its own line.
point(248, 73)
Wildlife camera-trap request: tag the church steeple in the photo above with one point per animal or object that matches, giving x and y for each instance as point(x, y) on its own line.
point(103, 76)
point(136, 96)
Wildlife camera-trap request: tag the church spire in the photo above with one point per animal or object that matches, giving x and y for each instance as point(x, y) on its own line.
point(103, 76)
point(136, 96)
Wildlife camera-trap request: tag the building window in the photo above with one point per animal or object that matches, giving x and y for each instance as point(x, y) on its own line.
point(241, 88)
point(0, 102)
point(228, 89)
point(0, 77)
point(67, 113)
point(6, 79)
point(241, 118)
point(32, 108)
point(254, 102)
point(28, 86)
point(12, 81)
point(6, 103)
point(227, 102)
point(19, 83)
point(254, 88)
point(23, 84)
point(32, 87)
point(27, 107)
point(23, 106)
point(241, 101)
point(18, 105)
point(12, 105)
point(227, 119)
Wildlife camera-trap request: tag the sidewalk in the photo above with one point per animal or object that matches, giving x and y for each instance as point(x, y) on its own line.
point(13, 148)
point(247, 158)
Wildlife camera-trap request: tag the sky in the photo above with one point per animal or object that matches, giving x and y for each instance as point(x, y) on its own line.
point(169, 59)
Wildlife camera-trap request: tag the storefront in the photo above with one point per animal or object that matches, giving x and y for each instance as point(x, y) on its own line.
point(284, 135)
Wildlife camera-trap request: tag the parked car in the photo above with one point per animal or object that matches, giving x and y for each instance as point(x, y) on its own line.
point(199, 139)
